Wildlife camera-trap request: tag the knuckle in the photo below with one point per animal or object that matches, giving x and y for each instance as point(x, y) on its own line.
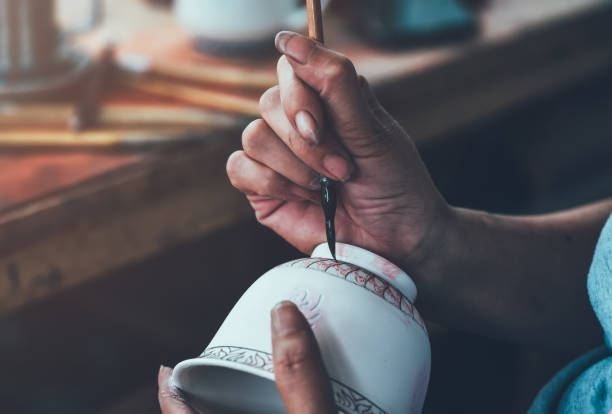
point(267, 188)
point(253, 137)
point(269, 100)
point(293, 358)
point(271, 184)
point(340, 69)
point(270, 176)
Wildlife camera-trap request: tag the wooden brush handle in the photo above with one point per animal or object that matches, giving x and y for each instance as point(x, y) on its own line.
point(315, 20)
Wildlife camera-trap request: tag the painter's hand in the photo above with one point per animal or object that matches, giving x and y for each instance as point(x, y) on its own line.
point(323, 118)
point(300, 374)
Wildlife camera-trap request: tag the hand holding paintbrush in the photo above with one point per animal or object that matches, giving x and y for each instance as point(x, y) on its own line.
point(323, 119)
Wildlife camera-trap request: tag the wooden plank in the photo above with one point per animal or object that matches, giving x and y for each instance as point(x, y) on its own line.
point(33, 175)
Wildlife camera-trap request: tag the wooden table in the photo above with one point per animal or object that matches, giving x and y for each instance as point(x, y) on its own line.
point(67, 217)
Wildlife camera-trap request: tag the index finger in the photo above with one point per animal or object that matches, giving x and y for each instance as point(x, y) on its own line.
point(331, 75)
point(301, 377)
point(301, 104)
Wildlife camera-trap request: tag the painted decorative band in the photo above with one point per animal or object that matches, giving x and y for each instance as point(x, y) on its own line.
point(361, 278)
point(244, 356)
point(347, 399)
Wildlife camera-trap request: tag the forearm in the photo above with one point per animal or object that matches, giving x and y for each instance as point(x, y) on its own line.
point(517, 278)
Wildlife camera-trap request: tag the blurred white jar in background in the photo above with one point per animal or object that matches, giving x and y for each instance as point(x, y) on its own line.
point(240, 21)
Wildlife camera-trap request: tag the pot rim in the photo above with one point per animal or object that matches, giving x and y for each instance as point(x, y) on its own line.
point(373, 263)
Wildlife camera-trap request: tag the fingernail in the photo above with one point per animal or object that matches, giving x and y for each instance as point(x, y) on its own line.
point(281, 39)
point(285, 319)
point(307, 127)
point(337, 167)
point(294, 46)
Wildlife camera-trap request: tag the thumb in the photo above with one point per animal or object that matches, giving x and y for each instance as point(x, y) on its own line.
point(334, 78)
point(300, 374)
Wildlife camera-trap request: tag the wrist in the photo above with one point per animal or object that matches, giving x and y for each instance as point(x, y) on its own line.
point(425, 260)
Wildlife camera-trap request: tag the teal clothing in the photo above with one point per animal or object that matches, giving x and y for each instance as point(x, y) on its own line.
point(585, 386)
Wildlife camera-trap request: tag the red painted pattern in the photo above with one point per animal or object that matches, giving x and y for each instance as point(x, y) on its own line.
point(393, 295)
point(386, 268)
point(377, 285)
point(362, 278)
point(359, 277)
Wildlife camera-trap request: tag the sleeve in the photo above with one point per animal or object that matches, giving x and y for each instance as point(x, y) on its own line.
point(585, 385)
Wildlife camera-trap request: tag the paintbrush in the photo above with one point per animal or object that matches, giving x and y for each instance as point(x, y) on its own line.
point(329, 198)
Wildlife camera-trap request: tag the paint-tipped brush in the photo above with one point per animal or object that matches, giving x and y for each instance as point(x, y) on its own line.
point(329, 199)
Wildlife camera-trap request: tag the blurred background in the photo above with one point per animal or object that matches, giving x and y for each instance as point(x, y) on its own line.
point(122, 243)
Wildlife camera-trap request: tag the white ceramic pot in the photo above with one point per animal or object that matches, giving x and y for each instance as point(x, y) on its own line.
point(240, 21)
point(373, 341)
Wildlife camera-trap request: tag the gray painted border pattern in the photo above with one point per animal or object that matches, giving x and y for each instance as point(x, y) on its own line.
point(347, 399)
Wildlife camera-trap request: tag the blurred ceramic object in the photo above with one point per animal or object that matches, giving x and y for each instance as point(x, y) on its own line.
point(34, 53)
point(373, 341)
point(239, 23)
point(417, 21)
